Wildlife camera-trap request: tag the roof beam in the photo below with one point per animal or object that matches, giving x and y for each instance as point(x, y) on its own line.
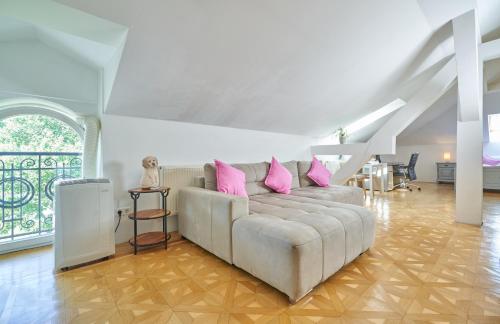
point(384, 140)
point(490, 50)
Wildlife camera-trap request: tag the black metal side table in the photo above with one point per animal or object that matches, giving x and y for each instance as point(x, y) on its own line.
point(149, 239)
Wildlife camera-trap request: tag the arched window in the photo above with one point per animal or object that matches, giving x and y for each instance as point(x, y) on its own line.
point(40, 143)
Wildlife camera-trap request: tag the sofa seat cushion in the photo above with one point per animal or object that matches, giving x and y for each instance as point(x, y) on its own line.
point(347, 230)
point(341, 194)
point(285, 254)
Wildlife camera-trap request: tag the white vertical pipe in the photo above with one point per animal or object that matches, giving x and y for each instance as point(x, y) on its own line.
point(90, 145)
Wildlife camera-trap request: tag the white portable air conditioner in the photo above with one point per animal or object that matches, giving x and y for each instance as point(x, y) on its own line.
point(84, 221)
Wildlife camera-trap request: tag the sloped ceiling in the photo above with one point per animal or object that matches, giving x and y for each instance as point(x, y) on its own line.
point(284, 66)
point(437, 125)
point(86, 38)
point(492, 75)
point(32, 68)
point(279, 65)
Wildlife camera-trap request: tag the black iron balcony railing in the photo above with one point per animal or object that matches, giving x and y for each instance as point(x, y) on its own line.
point(27, 190)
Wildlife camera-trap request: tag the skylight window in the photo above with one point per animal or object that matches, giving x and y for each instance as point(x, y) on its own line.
point(361, 123)
point(494, 127)
point(374, 116)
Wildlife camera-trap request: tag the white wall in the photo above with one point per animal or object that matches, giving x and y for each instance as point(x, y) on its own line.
point(126, 140)
point(426, 163)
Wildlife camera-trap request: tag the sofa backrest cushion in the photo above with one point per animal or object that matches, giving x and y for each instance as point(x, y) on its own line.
point(292, 167)
point(255, 174)
point(303, 168)
point(210, 176)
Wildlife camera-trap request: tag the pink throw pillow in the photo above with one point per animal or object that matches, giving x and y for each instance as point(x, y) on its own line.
point(279, 178)
point(230, 180)
point(319, 174)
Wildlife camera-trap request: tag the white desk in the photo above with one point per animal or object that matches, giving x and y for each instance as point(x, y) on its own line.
point(379, 171)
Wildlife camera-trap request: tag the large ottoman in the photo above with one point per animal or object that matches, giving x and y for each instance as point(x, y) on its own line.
point(285, 254)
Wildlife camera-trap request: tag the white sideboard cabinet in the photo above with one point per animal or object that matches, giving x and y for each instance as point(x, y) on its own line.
point(446, 174)
point(491, 178)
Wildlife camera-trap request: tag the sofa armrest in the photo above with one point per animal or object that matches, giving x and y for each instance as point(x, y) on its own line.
point(206, 218)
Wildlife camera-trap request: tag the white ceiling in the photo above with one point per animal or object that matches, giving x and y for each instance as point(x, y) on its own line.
point(488, 12)
point(88, 51)
point(88, 40)
point(437, 125)
point(492, 74)
point(489, 19)
point(278, 65)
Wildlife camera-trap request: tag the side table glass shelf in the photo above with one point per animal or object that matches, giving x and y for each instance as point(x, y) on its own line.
point(149, 239)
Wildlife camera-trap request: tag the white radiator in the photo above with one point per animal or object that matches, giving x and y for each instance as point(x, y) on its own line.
point(177, 177)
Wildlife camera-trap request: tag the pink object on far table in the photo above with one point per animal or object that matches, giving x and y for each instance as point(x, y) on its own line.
point(490, 161)
point(319, 173)
point(279, 178)
point(230, 180)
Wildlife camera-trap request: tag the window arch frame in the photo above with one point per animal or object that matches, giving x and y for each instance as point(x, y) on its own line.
point(30, 106)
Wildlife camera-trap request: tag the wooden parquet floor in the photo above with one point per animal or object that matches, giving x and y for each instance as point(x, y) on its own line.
point(424, 268)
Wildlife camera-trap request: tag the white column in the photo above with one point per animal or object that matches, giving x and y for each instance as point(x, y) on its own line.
point(469, 171)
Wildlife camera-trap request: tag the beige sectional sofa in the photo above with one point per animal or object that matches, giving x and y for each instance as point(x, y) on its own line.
point(293, 242)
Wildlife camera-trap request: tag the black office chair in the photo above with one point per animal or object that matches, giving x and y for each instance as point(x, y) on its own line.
point(408, 174)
